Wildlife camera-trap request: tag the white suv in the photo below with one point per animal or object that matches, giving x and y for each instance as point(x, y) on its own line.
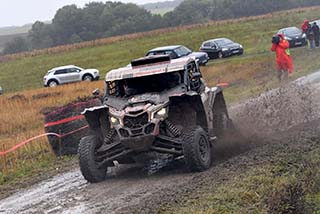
point(68, 74)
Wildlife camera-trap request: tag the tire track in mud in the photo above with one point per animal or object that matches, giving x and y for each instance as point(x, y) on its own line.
point(271, 122)
point(70, 193)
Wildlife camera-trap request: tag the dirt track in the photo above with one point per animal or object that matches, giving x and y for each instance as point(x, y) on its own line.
point(272, 116)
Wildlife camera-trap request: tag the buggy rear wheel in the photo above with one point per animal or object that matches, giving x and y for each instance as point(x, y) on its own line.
point(197, 149)
point(87, 161)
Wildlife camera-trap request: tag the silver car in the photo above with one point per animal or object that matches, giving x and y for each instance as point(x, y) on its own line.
point(1, 90)
point(68, 74)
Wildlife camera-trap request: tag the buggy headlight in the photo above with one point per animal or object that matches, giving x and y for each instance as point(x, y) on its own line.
point(304, 35)
point(162, 112)
point(114, 121)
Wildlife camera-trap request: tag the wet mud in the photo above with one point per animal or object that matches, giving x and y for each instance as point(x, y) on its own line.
point(272, 124)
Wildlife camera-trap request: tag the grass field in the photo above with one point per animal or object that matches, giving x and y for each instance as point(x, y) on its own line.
point(21, 118)
point(253, 33)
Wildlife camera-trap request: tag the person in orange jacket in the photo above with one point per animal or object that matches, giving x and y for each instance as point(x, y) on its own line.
point(304, 26)
point(284, 62)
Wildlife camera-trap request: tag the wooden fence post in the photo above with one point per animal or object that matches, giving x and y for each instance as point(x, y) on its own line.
point(4, 158)
point(60, 148)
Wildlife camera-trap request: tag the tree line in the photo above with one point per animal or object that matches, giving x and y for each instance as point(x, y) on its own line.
point(72, 24)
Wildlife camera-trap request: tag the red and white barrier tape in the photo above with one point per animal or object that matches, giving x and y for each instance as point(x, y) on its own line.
point(223, 84)
point(2, 153)
point(66, 120)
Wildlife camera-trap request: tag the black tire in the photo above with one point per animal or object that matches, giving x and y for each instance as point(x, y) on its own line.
point(196, 149)
point(88, 165)
point(53, 83)
point(87, 77)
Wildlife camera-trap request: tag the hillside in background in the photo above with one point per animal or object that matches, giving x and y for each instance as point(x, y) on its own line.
point(13, 30)
point(4, 39)
point(7, 34)
point(162, 7)
point(102, 20)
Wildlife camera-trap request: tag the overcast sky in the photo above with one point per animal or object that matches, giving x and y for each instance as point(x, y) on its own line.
point(20, 12)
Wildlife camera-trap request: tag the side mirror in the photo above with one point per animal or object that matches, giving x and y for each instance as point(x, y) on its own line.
point(96, 92)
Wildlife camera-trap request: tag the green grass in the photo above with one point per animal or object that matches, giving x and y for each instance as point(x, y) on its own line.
point(290, 184)
point(27, 73)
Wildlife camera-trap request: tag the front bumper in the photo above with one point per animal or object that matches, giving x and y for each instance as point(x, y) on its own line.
point(140, 143)
point(203, 60)
point(138, 133)
point(232, 52)
point(298, 42)
point(96, 78)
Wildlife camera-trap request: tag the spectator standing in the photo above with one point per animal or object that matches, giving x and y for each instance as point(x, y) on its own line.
point(316, 33)
point(283, 59)
point(304, 26)
point(310, 36)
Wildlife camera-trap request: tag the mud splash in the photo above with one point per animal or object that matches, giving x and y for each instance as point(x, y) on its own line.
point(278, 110)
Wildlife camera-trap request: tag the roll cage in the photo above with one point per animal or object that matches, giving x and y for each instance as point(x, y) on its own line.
point(190, 76)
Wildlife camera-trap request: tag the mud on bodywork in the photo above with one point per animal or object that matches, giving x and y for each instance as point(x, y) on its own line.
point(153, 108)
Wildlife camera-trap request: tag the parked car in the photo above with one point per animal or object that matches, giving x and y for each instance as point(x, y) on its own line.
point(178, 51)
point(68, 74)
point(316, 21)
point(1, 90)
point(294, 36)
point(221, 47)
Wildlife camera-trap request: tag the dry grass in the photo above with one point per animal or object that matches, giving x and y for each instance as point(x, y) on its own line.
point(21, 117)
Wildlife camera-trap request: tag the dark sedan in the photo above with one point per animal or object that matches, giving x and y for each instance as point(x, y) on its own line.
point(294, 36)
point(178, 51)
point(221, 47)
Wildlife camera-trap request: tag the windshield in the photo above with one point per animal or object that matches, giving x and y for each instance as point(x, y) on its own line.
point(146, 84)
point(165, 52)
point(291, 31)
point(81, 69)
point(182, 51)
point(223, 42)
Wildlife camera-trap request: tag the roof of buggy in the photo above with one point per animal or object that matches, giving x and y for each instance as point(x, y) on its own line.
point(149, 69)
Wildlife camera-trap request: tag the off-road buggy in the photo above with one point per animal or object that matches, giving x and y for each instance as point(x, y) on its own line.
point(155, 106)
